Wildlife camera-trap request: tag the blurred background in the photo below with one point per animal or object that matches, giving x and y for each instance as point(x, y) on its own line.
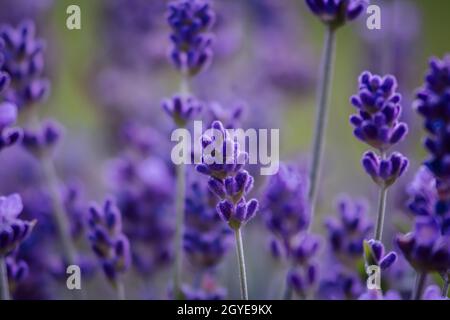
point(109, 78)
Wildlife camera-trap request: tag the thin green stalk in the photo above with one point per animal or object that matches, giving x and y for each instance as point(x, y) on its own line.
point(323, 97)
point(241, 262)
point(4, 286)
point(179, 229)
point(381, 213)
point(120, 289)
point(421, 278)
point(445, 287)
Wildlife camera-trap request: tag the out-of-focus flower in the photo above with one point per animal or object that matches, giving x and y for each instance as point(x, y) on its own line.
point(43, 139)
point(24, 62)
point(336, 13)
point(17, 271)
point(375, 294)
point(182, 109)
point(8, 116)
point(191, 21)
point(347, 232)
point(13, 231)
point(433, 292)
point(425, 248)
point(107, 239)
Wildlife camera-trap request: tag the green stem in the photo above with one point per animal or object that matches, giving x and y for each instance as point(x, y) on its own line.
point(323, 97)
point(59, 211)
point(381, 213)
point(241, 262)
point(445, 287)
point(4, 286)
point(419, 285)
point(120, 289)
point(179, 229)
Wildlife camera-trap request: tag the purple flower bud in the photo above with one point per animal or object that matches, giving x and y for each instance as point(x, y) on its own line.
point(384, 172)
point(336, 12)
point(182, 109)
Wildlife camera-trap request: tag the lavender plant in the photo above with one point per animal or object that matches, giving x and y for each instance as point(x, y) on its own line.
point(190, 21)
point(334, 14)
point(109, 243)
point(231, 184)
point(13, 231)
point(427, 246)
point(377, 124)
point(24, 62)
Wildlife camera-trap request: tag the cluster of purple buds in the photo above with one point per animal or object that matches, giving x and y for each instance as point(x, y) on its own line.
point(228, 181)
point(285, 204)
point(43, 139)
point(8, 116)
point(303, 277)
point(191, 21)
point(13, 231)
point(347, 233)
point(107, 239)
point(208, 290)
point(377, 124)
point(426, 248)
point(182, 109)
point(336, 13)
point(432, 103)
point(374, 254)
point(206, 239)
point(24, 62)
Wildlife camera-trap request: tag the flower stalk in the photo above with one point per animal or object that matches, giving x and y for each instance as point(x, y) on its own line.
point(241, 263)
point(419, 286)
point(4, 286)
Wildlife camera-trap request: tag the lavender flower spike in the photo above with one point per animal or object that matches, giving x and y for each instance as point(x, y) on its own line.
point(109, 243)
point(190, 21)
point(336, 13)
point(13, 231)
point(8, 116)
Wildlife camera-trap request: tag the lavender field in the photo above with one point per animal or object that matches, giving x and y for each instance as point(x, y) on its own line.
point(224, 150)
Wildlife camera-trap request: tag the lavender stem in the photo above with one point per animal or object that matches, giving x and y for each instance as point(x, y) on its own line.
point(4, 286)
point(59, 212)
point(241, 262)
point(445, 287)
point(419, 285)
point(326, 75)
point(120, 289)
point(179, 231)
point(381, 213)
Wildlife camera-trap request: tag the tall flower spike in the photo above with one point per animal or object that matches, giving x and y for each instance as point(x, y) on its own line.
point(337, 12)
point(24, 62)
point(191, 21)
point(108, 241)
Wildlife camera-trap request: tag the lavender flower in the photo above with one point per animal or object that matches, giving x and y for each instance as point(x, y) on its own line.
point(8, 116)
point(378, 295)
point(337, 12)
point(433, 292)
point(108, 241)
point(285, 206)
point(375, 255)
point(425, 248)
point(43, 139)
point(378, 104)
point(182, 109)
point(384, 172)
point(24, 62)
point(190, 21)
point(13, 231)
point(347, 233)
point(17, 271)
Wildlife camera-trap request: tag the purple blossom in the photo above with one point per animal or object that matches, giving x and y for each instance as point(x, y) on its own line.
point(13, 231)
point(191, 21)
point(378, 105)
point(107, 239)
point(422, 193)
point(182, 109)
point(375, 294)
point(425, 248)
point(17, 271)
point(285, 205)
point(24, 62)
point(384, 172)
point(433, 292)
point(8, 116)
point(42, 139)
point(337, 12)
point(375, 255)
point(347, 232)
